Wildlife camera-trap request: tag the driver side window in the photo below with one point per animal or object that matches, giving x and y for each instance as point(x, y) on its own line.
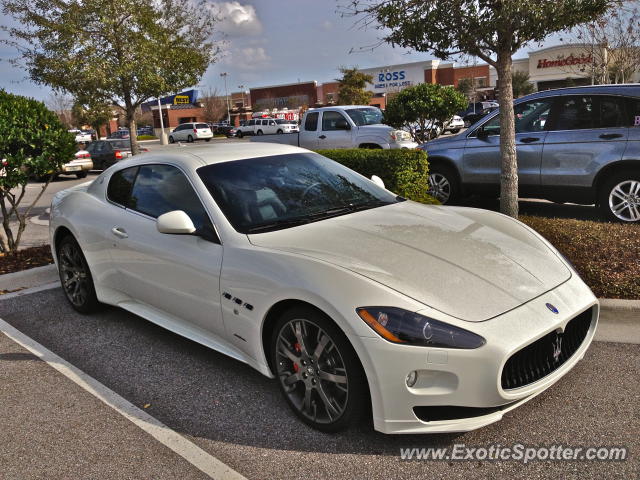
point(331, 121)
point(529, 117)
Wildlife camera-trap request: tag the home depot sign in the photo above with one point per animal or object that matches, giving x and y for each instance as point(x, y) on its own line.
point(565, 62)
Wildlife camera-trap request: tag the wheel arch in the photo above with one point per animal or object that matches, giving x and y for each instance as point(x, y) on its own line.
point(447, 162)
point(61, 232)
point(610, 168)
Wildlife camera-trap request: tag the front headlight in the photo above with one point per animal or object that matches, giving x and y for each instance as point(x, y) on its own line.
point(399, 135)
point(409, 328)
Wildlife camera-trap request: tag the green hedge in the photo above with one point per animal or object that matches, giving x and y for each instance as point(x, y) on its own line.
point(405, 172)
point(147, 137)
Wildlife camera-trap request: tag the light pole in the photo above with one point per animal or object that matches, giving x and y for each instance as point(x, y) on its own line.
point(163, 135)
point(226, 93)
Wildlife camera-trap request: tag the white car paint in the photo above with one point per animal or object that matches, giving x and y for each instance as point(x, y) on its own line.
point(190, 132)
point(468, 268)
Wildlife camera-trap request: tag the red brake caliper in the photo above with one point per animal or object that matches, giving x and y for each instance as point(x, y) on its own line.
point(297, 349)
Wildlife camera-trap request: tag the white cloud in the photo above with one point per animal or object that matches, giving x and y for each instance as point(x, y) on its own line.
point(248, 59)
point(237, 19)
point(326, 25)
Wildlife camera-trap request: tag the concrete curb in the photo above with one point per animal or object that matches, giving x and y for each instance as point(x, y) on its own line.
point(619, 319)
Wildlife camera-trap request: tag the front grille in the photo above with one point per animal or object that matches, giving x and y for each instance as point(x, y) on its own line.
point(546, 354)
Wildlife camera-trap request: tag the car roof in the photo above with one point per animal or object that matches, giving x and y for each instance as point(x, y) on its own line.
point(629, 89)
point(341, 107)
point(195, 156)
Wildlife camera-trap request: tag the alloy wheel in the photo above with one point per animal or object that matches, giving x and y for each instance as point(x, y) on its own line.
point(311, 371)
point(439, 187)
point(74, 274)
point(624, 201)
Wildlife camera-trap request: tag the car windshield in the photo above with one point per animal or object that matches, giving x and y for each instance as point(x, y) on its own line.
point(271, 193)
point(365, 116)
point(121, 144)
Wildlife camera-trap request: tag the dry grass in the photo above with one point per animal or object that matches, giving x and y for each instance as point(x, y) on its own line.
point(607, 255)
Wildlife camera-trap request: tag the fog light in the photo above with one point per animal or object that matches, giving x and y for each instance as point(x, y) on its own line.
point(411, 379)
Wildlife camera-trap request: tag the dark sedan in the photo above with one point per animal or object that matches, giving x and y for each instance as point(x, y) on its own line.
point(105, 153)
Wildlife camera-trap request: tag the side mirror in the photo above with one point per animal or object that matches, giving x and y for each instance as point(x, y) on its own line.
point(176, 222)
point(377, 180)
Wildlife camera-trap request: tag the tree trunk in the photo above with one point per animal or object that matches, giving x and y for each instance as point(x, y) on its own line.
point(133, 131)
point(509, 175)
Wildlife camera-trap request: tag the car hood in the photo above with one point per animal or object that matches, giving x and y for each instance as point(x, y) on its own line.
point(468, 263)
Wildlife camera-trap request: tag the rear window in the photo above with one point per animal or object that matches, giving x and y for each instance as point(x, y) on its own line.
point(202, 125)
point(311, 122)
point(121, 144)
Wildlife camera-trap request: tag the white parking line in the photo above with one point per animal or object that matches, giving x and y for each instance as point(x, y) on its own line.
point(193, 454)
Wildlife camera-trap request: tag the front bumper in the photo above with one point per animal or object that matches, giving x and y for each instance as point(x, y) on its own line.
point(403, 144)
point(469, 378)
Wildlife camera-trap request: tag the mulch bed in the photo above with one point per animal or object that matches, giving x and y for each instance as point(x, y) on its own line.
point(607, 255)
point(24, 259)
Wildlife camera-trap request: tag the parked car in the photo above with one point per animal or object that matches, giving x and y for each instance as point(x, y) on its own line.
point(190, 132)
point(352, 126)
point(260, 126)
point(81, 136)
point(322, 279)
point(147, 130)
point(107, 152)
point(80, 165)
point(579, 144)
point(227, 130)
point(121, 134)
point(454, 125)
point(287, 126)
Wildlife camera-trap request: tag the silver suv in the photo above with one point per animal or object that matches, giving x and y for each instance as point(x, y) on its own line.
point(579, 144)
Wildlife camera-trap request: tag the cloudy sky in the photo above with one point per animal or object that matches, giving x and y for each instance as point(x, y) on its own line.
point(269, 42)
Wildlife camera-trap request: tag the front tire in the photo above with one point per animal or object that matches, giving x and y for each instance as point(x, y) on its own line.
point(75, 276)
point(239, 134)
point(81, 175)
point(279, 131)
point(171, 139)
point(317, 370)
point(619, 197)
point(259, 132)
point(443, 184)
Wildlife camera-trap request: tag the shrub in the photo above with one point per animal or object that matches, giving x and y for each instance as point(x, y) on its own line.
point(147, 137)
point(606, 255)
point(33, 142)
point(405, 172)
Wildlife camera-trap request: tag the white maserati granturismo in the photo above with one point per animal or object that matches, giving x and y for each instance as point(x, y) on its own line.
point(357, 301)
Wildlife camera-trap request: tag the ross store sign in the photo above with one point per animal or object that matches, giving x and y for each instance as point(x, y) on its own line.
point(392, 79)
point(565, 62)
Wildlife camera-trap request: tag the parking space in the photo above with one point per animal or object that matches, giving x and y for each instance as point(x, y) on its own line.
point(237, 415)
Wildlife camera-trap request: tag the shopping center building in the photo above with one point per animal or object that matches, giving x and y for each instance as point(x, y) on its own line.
point(552, 67)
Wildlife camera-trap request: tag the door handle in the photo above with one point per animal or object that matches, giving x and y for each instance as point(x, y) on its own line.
point(529, 139)
point(610, 136)
point(119, 232)
point(322, 137)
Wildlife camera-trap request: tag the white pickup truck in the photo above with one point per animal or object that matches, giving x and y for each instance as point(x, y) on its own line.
point(351, 126)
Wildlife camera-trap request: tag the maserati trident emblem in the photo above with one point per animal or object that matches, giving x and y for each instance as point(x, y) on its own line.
point(552, 308)
point(557, 348)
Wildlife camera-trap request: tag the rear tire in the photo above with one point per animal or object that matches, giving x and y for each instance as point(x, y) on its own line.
point(455, 130)
point(207, 139)
point(190, 139)
point(81, 174)
point(326, 386)
point(75, 276)
point(279, 131)
point(443, 184)
point(619, 197)
point(259, 132)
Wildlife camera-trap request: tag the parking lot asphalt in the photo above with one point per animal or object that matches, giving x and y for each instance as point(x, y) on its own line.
point(234, 413)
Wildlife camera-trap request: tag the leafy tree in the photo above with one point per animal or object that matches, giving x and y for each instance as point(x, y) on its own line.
point(521, 84)
point(465, 86)
point(89, 111)
point(33, 143)
point(416, 108)
point(492, 30)
point(352, 88)
point(127, 51)
point(214, 106)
